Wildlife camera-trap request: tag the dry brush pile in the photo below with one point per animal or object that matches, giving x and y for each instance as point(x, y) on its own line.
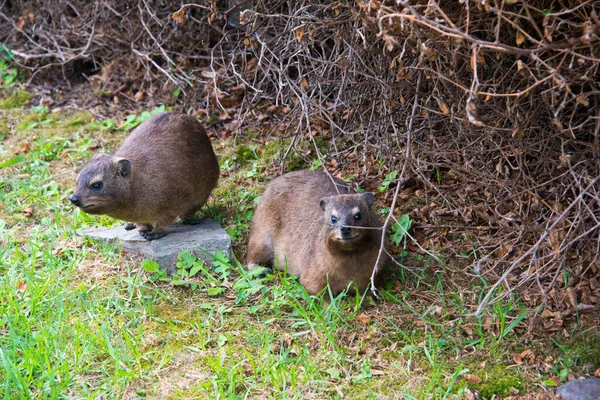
point(489, 110)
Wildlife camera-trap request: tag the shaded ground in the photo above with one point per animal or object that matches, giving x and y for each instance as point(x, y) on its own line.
point(79, 321)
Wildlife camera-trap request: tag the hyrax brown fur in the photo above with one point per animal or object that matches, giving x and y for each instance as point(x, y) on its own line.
point(165, 169)
point(318, 227)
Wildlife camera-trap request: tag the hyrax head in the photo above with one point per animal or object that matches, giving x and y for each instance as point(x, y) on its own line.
point(348, 217)
point(102, 184)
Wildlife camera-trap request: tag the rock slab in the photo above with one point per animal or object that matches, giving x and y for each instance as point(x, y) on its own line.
point(582, 389)
point(206, 237)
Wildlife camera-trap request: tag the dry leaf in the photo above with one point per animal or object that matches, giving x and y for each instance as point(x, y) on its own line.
point(363, 318)
point(444, 107)
point(376, 372)
point(518, 358)
point(27, 212)
point(19, 26)
point(179, 16)
point(548, 33)
point(520, 38)
point(571, 295)
point(304, 83)
point(582, 100)
point(299, 34)
point(21, 286)
point(47, 101)
point(294, 350)
point(23, 148)
point(472, 379)
point(223, 116)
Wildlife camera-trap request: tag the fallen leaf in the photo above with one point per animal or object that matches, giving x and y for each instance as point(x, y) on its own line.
point(517, 358)
point(21, 286)
point(20, 24)
point(294, 350)
point(304, 83)
point(525, 354)
point(139, 96)
point(299, 34)
point(363, 318)
point(23, 148)
point(27, 212)
point(444, 107)
point(472, 379)
point(520, 38)
point(547, 314)
point(582, 100)
point(47, 101)
point(179, 16)
point(376, 372)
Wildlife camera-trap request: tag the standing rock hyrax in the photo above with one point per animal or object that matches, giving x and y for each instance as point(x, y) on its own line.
point(165, 169)
point(315, 225)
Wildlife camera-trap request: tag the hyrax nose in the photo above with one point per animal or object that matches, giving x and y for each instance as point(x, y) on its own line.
point(75, 199)
point(345, 230)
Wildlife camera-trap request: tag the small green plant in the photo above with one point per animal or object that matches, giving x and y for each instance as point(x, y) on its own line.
point(316, 164)
point(400, 229)
point(9, 76)
point(134, 120)
point(387, 181)
point(157, 273)
point(41, 110)
point(105, 125)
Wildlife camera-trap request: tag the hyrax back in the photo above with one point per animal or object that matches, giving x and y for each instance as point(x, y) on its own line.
point(317, 227)
point(165, 169)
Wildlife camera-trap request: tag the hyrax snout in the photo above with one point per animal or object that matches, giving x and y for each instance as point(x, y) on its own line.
point(319, 229)
point(165, 169)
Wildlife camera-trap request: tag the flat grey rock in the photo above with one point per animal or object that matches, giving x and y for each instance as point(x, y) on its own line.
point(581, 389)
point(206, 237)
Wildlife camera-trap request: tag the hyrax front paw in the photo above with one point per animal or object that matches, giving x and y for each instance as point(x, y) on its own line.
point(190, 221)
point(152, 235)
point(129, 226)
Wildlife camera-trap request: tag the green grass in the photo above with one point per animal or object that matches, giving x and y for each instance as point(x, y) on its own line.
point(80, 321)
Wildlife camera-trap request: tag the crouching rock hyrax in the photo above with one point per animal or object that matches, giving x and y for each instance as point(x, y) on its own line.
point(319, 228)
point(165, 169)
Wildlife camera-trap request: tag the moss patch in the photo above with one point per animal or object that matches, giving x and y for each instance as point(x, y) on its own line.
point(15, 99)
point(499, 381)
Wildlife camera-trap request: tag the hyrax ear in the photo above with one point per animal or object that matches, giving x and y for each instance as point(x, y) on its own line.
point(323, 203)
point(368, 197)
point(123, 166)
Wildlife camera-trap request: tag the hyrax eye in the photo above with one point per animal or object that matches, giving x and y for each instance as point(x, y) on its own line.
point(333, 219)
point(97, 186)
point(357, 217)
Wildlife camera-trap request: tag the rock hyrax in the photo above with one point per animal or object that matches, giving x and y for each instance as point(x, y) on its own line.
point(317, 227)
point(165, 169)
